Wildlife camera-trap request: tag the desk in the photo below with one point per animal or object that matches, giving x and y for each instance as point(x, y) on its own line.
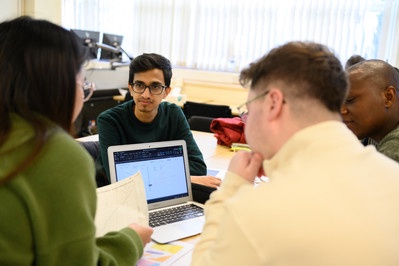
point(215, 156)
point(119, 98)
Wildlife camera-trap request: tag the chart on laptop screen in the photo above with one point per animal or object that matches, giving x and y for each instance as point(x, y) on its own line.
point(163, 171)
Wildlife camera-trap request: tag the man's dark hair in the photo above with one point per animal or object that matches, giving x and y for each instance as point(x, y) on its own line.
point(353, 60)
point(377, 71)
point(147, 62)
point(309, 70)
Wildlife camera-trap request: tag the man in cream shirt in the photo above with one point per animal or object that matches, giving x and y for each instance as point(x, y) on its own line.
point(329, 201)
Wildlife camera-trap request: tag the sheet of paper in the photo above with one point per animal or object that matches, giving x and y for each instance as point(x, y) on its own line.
point(221, 173)
point(163, 254)
point(121, 204)
point(216, 173)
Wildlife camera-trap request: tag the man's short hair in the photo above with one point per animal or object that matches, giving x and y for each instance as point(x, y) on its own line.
point(307, 69)
point(378, 71)
point(147, 62)
point(353, 60)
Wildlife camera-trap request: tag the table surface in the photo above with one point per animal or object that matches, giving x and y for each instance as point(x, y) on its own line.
point(217, 157)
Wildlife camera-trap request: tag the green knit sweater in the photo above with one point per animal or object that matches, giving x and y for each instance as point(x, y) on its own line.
point(119, 125)
point(389, 145)
point(47, 211)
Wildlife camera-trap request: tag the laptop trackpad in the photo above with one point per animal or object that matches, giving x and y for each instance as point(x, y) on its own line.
point(175, 231)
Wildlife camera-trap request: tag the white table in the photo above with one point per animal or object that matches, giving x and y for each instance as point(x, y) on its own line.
point(215, 156)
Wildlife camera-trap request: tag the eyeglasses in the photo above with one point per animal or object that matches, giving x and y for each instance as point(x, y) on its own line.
point(243, 108)
point(88, 90)
point(154, 88)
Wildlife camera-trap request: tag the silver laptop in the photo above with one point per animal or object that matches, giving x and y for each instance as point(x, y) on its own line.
point(165, 171)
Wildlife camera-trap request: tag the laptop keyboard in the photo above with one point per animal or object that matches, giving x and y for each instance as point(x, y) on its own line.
point(175, 214)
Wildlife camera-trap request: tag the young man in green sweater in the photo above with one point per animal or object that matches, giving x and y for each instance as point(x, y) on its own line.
point(147, 118)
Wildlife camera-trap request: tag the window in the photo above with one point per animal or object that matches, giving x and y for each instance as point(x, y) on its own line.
point(226, 35)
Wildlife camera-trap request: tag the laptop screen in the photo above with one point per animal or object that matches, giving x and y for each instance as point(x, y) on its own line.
point(163, 170)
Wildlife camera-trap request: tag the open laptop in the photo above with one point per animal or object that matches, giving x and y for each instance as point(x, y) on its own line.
point(165, 171)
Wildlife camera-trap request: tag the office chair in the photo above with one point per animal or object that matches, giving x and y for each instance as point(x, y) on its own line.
point(208, 110)
point(99, 102)
point(93, 148)
point(200, 123)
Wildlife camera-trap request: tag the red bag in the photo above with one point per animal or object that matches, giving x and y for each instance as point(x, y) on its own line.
point(228, 130)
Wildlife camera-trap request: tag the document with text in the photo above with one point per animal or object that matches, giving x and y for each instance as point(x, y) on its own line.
point(120, 204)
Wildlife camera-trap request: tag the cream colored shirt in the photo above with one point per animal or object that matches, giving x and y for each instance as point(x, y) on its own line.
point(330, 201)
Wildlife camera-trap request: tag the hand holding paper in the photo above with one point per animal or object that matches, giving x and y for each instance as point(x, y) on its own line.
point(121, 204)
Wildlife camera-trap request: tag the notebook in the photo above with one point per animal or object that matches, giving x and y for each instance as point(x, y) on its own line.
point(165, 171)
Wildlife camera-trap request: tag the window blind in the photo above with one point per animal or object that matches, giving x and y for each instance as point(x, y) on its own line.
point(226, 35)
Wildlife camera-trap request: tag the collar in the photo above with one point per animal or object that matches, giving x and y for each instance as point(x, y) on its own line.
point(310, 140)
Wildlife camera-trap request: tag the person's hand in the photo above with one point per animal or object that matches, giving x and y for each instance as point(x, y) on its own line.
point(144, 232)
point(206, 180)
point(246, 164)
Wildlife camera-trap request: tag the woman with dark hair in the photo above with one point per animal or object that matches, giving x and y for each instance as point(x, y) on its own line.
point(47, 185)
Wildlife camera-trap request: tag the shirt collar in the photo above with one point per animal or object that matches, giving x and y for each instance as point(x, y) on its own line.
point(310, 138)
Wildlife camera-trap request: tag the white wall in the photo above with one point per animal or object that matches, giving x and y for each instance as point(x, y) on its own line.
point(10, 9)
point(44, 9)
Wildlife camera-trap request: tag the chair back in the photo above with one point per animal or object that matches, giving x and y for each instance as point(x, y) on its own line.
point(208, 110)
point(200, 123)
point(92, 147)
